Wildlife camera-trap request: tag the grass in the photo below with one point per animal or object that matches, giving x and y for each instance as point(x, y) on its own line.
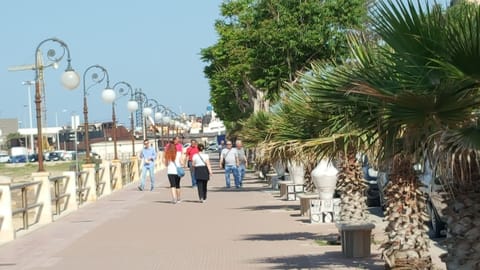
point(328, 240)
point(23, 171)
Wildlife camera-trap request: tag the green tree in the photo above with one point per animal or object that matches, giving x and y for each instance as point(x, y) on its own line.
point(263, 44)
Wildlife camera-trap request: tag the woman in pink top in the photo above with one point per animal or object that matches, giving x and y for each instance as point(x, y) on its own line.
point(178, 145)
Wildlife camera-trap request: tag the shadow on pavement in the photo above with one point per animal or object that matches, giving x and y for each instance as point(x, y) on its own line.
point(282, 236)
point(272, 207)
point(323, 261)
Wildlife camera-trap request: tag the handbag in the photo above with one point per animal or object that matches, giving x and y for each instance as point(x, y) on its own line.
point(223, 160)
point(180, 171)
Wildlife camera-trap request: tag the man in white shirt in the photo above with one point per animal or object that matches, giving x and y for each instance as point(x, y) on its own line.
point(229, 161)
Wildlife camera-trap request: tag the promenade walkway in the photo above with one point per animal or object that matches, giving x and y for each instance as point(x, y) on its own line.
point(248, 228)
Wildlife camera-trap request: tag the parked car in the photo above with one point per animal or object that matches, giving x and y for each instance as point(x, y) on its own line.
point(54, 156)
point(434, 191)
point(17, 159)
point(33, 157)
point(4, 158)
point(212, 148)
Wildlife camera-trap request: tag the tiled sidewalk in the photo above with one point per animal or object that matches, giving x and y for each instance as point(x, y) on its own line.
point(248, 228)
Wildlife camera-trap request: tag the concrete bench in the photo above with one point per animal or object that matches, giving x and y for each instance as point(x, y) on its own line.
point(356, 239)
point(305, 202)
point(283, 187)
point(289, 190)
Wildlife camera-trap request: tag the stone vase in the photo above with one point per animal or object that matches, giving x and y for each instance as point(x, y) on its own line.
point(296, 172)
point(324, 177)
point(279, 169)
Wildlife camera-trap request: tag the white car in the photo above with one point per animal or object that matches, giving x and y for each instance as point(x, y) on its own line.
point(4, 158)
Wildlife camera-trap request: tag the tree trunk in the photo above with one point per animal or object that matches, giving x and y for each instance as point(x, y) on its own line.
point(463, 238)
point(352, 189)
point(407, 244)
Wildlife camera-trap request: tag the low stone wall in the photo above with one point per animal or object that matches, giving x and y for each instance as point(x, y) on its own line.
point(29, 205)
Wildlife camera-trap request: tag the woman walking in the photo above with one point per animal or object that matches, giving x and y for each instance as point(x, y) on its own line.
point(172, 161)
point(203, 171)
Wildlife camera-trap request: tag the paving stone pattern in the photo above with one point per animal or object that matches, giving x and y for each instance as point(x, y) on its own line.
point(248, 228)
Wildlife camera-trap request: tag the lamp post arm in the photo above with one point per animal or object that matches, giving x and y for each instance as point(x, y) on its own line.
point(95, 78)
point(96, 81)
point(51, 55)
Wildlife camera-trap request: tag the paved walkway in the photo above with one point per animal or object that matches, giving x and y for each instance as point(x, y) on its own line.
point(250, 228)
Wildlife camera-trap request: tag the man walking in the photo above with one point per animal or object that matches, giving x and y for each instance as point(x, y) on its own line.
point(191, 150)
point(229, 161)
point(148, 157)
point(242, 161)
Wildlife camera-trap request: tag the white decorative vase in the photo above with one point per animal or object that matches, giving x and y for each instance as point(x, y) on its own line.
point(296, 172)
point(324, 177)
point(279, 169)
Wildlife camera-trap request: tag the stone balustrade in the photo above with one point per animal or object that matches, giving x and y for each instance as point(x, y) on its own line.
point(30, 205)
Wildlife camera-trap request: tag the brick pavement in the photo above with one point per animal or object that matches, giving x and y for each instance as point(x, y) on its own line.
point(249, 228)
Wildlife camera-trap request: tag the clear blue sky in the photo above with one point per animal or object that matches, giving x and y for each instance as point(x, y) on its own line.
point(153, 45)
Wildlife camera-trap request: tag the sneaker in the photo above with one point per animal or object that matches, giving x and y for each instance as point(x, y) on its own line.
point(179, 201)
point(151, 189)
point(174, 201)
point(140, 188)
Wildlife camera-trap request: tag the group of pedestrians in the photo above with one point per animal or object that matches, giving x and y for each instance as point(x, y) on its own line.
point(195, 158)
point(232, 159)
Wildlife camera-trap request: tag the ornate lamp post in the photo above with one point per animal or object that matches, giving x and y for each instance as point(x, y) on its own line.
point(132, 106)
point(96, 80)
point(158, 109)
point(142, 100)
point(147, 111)
point(70, 80)
point(166, 121)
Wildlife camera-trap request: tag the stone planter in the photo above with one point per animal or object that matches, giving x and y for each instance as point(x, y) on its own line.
point(296, 172)
point(324, 177)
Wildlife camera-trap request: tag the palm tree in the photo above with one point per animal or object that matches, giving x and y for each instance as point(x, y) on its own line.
point(413, 93)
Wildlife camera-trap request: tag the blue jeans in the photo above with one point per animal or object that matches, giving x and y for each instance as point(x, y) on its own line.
point(192, 174)
point(150, 169)
point(241, 173)
point(232, 169)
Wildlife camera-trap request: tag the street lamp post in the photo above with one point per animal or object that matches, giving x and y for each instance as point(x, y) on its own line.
point(132, 106)
point(30, 83)
point(96, 80)
point(147, 111)
point(70, 80)
point(142, 100)
point(158, 109)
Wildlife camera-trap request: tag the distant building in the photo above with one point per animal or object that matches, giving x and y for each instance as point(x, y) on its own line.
point(7, 126)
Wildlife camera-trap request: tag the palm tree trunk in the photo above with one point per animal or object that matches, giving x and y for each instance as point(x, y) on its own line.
point(407, 244)
point(463, 239)
point(352, 189)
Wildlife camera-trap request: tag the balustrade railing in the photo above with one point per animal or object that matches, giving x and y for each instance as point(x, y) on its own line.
point(40, 201)
point(59, 194)
point(82, 188)
point(27, 203)
point(100, 183)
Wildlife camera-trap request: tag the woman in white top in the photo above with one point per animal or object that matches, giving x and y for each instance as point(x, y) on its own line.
point(172, 161)
point(203, 171)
